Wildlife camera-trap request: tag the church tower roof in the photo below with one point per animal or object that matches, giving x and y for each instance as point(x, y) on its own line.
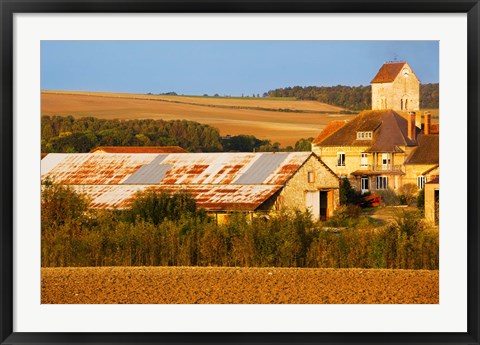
point(388, 72)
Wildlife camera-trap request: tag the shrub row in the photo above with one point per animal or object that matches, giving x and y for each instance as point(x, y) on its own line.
point(185, 236)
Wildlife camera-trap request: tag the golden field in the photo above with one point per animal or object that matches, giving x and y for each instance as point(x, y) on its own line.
point(282, 120)
point(222, 285)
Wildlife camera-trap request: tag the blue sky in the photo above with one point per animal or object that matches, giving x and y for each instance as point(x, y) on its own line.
point(225, 67)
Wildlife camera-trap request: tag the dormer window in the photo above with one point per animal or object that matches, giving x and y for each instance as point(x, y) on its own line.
point(364, 135)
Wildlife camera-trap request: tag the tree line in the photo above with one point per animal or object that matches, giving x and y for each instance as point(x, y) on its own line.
point(66, 134)
point(353, 98)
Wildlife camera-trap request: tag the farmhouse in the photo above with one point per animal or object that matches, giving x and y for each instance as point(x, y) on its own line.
point(379, 150)
point(219, 182)
point(386, 147)
point(396, 87)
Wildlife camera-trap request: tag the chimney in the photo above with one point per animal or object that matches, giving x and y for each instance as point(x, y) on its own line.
point(412, 129)
point(427, 121)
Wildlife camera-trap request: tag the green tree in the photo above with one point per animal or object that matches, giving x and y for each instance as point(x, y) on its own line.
point(421, 200)
point(154, 207)
point(304, 144)
point(61, 204)
point(348, 195)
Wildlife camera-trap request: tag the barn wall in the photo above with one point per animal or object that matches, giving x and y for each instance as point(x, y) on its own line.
point(292, 196)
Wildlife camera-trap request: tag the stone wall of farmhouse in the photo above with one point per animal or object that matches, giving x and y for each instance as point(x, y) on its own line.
point(353, 163)
point(414, 171)
point(393, 95)
point(293, 195)
point(352, 157)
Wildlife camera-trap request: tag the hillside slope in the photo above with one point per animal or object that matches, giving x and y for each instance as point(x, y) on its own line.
point(280, 120)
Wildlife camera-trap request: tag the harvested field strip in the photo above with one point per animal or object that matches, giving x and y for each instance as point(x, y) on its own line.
point(220, 285)
point(265, 104)
point(222, 106)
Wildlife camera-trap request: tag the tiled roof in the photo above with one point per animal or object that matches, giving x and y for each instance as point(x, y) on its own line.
point(388, 72)
point(427, 151)
point(389, 131)
point(138, 149)
point(329, 129)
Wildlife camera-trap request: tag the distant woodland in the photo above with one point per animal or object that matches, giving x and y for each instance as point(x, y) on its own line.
point(351, 97)
point(66, 134)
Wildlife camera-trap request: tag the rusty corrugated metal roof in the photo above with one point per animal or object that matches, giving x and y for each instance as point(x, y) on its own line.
point(181, 168)
point(209, 197)
point(217, 181)
point(88, 168)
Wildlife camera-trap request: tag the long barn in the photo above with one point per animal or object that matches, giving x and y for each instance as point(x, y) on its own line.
point(219, 182)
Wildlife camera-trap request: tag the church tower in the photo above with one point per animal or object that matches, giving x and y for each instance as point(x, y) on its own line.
point(396, 87)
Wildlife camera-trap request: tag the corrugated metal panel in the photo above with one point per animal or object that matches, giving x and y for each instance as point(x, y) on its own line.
point(261, 169)
point(206, 168)
point(209, 197)
point(151, 173)
point(185, 168)
point(288, 168)
point(51, 160)
point(87, 168)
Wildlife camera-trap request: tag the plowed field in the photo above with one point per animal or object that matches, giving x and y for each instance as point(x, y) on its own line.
point(189, 285)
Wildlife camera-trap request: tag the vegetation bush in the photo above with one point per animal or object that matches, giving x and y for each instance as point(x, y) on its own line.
point(153, 207)
point(407, 194)
point(389, 197)
point(348, 195)
point(61, 204)
point(421, 200)
point(72, 236)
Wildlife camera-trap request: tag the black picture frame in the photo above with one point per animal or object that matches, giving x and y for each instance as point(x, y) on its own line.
point(9, 7)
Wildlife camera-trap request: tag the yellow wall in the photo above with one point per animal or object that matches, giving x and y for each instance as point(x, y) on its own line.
point(353, 160)
point(414, 171)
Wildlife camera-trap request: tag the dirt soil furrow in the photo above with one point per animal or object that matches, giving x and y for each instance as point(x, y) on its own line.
point(221, 285)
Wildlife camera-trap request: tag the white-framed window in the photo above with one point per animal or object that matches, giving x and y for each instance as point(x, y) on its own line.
point(382, 182)
point(311, 177)
point(364, 135)
point(421, 182)
point(364, 159)
point(340, 159)
point(386, 160)
point(364, 184)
